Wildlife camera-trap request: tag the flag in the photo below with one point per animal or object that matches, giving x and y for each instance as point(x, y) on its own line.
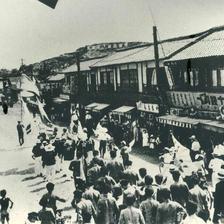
point(43, 114)
point(181, 151)
point(26, 84)
point(26, 117)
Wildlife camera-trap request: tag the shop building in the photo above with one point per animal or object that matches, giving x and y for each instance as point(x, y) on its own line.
point(196, 99)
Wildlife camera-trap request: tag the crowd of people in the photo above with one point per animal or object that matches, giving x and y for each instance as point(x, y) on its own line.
point(108, 189)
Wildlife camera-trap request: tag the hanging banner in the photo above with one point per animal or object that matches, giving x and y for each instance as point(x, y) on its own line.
point(148, 107)
point(199, 100)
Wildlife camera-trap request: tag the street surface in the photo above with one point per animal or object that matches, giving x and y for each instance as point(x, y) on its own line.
point(17, 170)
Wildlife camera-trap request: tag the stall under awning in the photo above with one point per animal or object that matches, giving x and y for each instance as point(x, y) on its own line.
point(216, 126)
point(123, 110)
point(173, 120)
point(100, 107)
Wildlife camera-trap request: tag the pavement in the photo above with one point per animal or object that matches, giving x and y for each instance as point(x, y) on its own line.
point(17, 170)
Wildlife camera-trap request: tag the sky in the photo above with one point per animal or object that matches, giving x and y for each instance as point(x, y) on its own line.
point(33, 31)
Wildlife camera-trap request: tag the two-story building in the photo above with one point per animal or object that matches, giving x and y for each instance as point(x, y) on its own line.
point(196, 99)
point(128, 77)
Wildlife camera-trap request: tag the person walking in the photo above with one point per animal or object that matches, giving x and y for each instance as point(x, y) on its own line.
point(107, 209)
point(131, 215)
point(50, 198)
point(149, 206)
point(38, 151)
point(20, 132)
point(49, 161)
point(179, 190)
point(83, 206)
point(4, 203)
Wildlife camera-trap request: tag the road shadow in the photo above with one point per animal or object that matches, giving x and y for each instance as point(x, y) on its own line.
point(36, 184)
point(29, 178)
point(38, 189)
point(16, 171)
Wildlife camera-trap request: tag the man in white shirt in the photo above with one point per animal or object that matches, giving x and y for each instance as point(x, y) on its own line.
point(195, 147)
point(192, 218)
point(215, 165)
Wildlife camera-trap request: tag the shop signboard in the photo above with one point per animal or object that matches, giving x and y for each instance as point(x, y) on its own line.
point(199, 100)
point(148, 107)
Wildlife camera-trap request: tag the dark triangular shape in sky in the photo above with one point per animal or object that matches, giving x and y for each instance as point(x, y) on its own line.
point(50, 3)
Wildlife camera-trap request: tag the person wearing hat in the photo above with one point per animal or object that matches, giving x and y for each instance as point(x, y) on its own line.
point(195, 147)
point(37, 151)
point(49, 161)
point(218, 196)
point(152, 142)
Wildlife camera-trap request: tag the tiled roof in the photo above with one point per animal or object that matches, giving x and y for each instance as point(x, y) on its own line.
point(210, 45)
point(146, 53)
point(84, 66)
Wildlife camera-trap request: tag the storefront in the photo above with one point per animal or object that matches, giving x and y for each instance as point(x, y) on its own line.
point(147, 113)
point(124, 113)
point(59, 111)
point(97, 110)
point(182, 128)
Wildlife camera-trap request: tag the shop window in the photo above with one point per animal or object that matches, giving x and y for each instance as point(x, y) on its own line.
point(129, 78)
point(222, 78)
point(214, 78)
point(149, 73)
point(103, 77)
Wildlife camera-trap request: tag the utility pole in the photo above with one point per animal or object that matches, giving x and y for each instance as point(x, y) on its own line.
point(156, 53)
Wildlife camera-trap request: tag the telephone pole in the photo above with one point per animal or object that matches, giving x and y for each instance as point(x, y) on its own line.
point(156, 53)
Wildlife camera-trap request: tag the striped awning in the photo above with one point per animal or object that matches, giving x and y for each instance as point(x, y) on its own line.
point(183, 122)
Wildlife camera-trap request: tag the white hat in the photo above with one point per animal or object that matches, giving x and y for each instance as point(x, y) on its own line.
point(193, 137)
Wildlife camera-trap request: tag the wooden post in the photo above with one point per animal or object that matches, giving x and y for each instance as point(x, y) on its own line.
point(156, 53)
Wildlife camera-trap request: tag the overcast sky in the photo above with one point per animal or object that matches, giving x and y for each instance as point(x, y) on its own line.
point(30, 30)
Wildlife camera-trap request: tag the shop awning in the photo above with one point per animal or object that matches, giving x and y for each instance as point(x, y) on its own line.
point(216, 126)
point(123, 110)
point(59, 100)
point(184, 122)
point(91, 106)
point(100, 107)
